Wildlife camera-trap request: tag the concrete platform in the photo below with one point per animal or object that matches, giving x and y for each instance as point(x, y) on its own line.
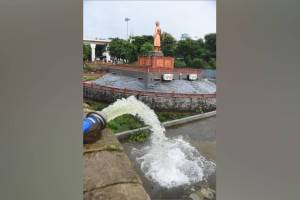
point(176, 86)
point(108, 173)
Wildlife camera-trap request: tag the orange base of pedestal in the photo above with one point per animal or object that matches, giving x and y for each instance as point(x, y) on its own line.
point(156, 62)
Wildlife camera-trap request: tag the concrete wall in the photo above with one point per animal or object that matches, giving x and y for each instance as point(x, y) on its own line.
point(167, 102)
point(209, 73)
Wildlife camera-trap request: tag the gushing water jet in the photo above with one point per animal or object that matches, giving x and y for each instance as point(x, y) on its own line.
point(168, 162)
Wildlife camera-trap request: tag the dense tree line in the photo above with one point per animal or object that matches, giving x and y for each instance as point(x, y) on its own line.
point(188, 52)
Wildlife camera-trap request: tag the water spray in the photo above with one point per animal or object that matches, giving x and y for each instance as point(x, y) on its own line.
point(93, 121)
point(169, 162)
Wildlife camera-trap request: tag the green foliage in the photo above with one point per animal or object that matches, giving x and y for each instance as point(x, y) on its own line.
point(130, 54)
point(188, 49)
point(87, 68)
point(115, 47)
point(86, 52)
point(122, 49)
point(179, 63)
point(140, 136)
point(164, 116)
point(96, 105)
point(198, 63)
point(212, 63)
point(199, 109)
point(168, 44)
point(195, 53)
point(188, 60)
point(138, 41)
point(204, 54)
point(146, 47)
point(124, 123)
point(210, 43)
point(90, 78)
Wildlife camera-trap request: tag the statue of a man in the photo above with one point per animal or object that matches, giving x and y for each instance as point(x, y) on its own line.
point(157, 36)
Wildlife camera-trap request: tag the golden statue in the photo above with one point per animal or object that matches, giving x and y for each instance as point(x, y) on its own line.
point(157, 36)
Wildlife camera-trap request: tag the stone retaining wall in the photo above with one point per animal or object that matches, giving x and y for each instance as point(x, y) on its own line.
point(159, 102)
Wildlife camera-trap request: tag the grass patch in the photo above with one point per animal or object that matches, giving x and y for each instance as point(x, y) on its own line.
point(89, 78)
point(124, 123)
point(140, 136)
point(88, 68)
point(96, 105)
point(167, 116)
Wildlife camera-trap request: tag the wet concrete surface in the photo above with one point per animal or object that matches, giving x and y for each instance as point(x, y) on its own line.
point(177, 86)
point(108, 173)
point(202, 135)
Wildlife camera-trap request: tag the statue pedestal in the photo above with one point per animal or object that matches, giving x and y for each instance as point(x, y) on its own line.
point(156, 60)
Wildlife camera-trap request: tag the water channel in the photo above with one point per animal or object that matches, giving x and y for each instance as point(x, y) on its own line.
point(200, 134)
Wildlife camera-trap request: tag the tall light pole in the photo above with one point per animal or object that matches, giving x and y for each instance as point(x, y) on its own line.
point(126, 20)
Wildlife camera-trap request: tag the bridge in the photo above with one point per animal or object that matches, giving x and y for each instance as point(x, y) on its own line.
point(94, 42)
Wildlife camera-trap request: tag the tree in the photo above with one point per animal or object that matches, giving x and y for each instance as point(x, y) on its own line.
point(146, 47)
point(179, 63)
point(204, 54)
point(115, 48)
point(210, 44)
point(138, 41)
point(86, 52)
point(188, 49)
point(122, 49)
point(168, 44)
point(197, 53)
point(198, 63)
point(212, 63)
point(130, 53)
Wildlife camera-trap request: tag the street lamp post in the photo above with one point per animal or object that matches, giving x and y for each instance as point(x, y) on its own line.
point(127, 19)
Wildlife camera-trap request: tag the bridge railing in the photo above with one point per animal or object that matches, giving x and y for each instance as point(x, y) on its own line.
point(146, 93)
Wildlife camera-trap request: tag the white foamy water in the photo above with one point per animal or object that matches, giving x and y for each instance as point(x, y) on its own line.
point(134, 107)
point(168, 162)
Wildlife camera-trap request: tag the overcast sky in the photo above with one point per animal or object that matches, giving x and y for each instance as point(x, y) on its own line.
point(104, 19)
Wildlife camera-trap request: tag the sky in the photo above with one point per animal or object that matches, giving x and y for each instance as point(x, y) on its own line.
point(106, 19)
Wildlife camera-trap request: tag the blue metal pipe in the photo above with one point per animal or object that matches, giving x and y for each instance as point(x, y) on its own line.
point(93, 121)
